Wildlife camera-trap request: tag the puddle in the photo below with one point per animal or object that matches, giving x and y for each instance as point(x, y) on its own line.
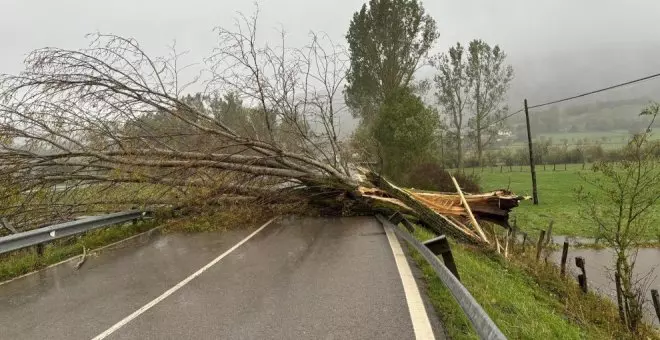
point(599, 264)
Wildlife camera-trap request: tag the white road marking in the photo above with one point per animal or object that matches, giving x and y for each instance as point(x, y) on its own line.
point(178, 286)
point(420, 320)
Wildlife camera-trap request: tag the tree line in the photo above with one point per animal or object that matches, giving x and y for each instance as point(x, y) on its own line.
point(546, 153)
point(388, 41)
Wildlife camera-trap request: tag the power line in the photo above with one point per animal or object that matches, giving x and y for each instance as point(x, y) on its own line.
point(597, 91)
point(579, 96)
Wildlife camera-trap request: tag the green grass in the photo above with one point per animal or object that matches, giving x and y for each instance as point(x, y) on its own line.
point(524, 303)
point(556, 199)
point(25, 261)
point(519, 309)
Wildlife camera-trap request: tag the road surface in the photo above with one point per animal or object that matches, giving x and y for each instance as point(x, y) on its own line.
point(292, 279)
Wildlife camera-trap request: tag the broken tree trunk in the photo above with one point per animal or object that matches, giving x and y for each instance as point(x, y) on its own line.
point(436, 210)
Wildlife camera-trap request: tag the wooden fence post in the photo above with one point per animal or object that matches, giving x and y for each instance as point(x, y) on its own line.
point(440, 246)
point(548, 235)
point(656, 302)
point(564, 255)
point(582, 278)
point(539, 245)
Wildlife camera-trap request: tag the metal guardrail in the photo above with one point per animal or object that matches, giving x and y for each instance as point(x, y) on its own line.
point(483, 325)
point(57, 231)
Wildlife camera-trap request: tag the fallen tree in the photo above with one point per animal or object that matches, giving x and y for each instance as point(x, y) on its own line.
point(109, 126)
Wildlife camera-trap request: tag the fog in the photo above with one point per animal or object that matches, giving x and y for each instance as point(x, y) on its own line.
point(557, 48)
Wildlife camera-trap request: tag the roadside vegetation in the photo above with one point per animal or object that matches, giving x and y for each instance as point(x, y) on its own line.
point(27, 260)
point(525, 298)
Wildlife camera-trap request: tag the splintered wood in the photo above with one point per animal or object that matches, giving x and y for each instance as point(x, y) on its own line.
point(492, 206)
point(448, 207)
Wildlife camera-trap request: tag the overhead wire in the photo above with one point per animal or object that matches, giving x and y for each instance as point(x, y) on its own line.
point(655, 75)
point(596, 91)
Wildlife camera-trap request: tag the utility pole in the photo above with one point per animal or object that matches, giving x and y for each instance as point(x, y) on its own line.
point(535, 193)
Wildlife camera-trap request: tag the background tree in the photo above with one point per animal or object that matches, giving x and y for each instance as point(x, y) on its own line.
point(489, 80)
point(387, 41)
point(405, 131)
point(453, 94)
point(618, 199)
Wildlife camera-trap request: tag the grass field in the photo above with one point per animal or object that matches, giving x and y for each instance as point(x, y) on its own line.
point(557, 200)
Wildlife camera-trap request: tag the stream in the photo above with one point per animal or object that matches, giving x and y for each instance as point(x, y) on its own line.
point(600, 275)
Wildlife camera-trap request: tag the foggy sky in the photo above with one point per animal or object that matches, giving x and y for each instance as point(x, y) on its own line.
point(557, 48)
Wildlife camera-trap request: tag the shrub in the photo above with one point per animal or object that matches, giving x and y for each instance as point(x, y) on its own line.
point(431, 176)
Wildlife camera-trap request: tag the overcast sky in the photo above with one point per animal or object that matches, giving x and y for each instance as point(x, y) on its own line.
point(556, 47)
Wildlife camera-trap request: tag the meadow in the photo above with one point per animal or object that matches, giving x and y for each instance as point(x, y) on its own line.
point(557, 198)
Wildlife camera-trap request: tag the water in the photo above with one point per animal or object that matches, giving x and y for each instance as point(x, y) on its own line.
point(600, 275)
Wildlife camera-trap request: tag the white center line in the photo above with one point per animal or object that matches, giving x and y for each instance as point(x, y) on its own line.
point(178, 286)
point(418, 316)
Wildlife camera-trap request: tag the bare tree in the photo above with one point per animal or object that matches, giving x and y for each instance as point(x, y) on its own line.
point(620, 203)
point(453, 93)
point(490, 79)
point(110, 116)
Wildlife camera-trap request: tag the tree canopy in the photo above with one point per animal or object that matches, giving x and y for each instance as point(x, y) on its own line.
point(387, 40)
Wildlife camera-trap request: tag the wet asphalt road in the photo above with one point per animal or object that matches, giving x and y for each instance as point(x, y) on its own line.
point(296, 279)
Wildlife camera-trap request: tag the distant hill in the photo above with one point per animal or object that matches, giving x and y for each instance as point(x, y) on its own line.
point(620, 116)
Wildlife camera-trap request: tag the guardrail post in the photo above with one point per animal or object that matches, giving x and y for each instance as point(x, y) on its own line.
point(40, 249)
point(398, 218)
point(582, 278)
point(440, 246)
